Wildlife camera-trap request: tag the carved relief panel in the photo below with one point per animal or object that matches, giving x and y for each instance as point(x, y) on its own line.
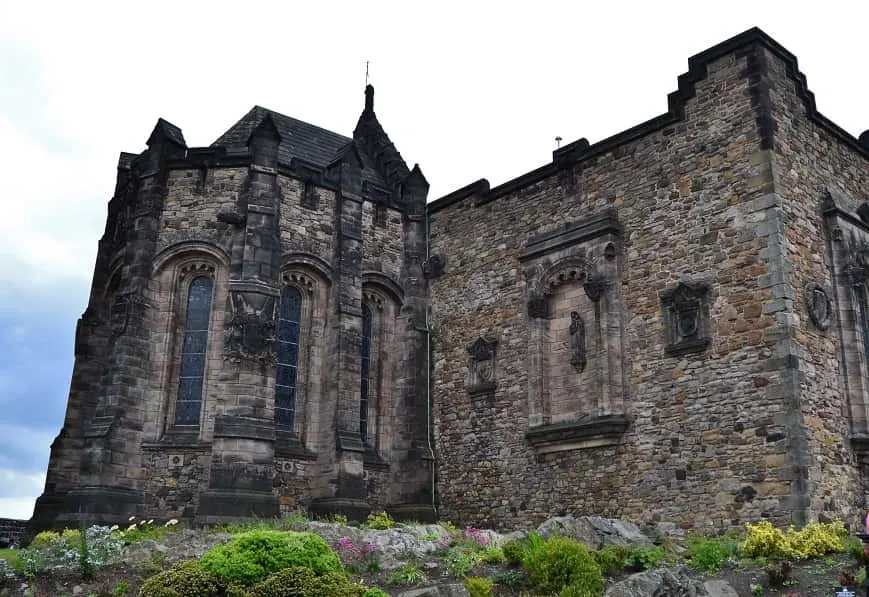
point(576, 395)
point(845, 306)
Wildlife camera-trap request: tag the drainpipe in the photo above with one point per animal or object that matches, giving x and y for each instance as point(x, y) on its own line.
point(428, 366)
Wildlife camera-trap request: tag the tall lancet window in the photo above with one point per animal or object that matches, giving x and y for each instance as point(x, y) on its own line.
point(366, 371)
point(191, 384)
point(288, 358)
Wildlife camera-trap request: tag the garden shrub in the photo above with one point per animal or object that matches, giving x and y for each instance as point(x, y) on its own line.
point(710, 554)
point(513, 551)
point(251, 557)
point(812, 541)
point(182, 580)
point(304, 582)
point(645, 558)
point(379, 521)
point(559, 562)
point(817, 539)
point(374, 592)
point(611, 559)
point(479, 587)
point(493, 555)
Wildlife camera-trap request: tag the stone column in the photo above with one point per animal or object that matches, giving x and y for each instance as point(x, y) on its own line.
point(242, 449)
point(349, 495)
point(411, 484)
point(110, 488)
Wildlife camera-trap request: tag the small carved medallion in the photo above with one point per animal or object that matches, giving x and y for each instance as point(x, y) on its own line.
point(686, 313)
point(481, 368)
point(819, 305)
point(595, 288)
point(119, 314)
point(577, 341)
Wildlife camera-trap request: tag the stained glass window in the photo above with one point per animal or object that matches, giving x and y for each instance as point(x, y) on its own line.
point(366, 368)
point(192, 377)
point(288, 358)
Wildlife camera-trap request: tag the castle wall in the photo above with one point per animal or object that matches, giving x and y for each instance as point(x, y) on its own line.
point(702, 448)
point(810, 162)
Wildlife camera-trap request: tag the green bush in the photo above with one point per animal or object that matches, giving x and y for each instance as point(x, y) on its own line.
point(645, 558)
point(611, 559)
point(374, 592)
point(560, 562)
point(509, 578)
point(710, 554)
point(251, 557)
point(479, 587)
point(379, 521)
point(513, 550)
point(182, 580)
point(493, 555)
point(303, 582)
point(578, 591)
point(812, 541)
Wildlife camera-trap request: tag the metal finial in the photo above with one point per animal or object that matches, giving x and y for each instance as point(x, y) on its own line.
point(558, 141)
point(366, 73)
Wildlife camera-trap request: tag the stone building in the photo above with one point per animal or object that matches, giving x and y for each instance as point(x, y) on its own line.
point(670, 325)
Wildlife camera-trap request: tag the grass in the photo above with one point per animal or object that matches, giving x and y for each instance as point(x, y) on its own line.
point(12, 557)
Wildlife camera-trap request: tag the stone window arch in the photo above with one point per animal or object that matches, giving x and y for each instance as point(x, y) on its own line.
point(304, 289)
point(377, 369)
point(300, 355)
point(194, 348)
point(188, 291)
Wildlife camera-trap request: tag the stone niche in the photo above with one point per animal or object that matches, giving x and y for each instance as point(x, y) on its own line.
point(844, 307)
point(576, 385)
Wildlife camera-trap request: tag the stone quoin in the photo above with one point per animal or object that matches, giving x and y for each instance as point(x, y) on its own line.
point(669, 326)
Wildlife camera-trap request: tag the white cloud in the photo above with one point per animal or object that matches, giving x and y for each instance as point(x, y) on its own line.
point(17, 508)
point(19, 493)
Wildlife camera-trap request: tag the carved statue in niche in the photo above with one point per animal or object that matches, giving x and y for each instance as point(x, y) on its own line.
point(577, 342)
point(250, 330)
point(481, 368)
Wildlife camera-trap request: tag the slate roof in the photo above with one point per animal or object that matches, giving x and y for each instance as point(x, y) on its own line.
point(172, 132)
point(298, 139)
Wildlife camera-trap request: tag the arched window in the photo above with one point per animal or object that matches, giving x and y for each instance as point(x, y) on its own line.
point(366, 373)
point(288, 358)
point(192, 375)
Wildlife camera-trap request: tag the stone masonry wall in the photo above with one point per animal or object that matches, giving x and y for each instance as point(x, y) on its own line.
point(810, 160)
point(12, 529)
point(703, 448)
point(383, 243)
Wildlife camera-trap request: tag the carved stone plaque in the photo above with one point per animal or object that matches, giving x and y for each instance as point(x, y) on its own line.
point(819, 305)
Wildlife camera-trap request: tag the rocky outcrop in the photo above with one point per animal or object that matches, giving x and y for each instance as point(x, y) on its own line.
point(595, 531)
point(448, 590)
point(664, 582)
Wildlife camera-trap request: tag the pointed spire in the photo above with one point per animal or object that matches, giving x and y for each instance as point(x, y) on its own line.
point(369, 98)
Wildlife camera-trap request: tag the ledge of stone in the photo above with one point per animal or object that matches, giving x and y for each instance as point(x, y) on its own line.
point(860, 444)
point(572, 234)
point(680, 348)
point(233, 426)
point(372, 460)
point(575, 435)
point(289, 446)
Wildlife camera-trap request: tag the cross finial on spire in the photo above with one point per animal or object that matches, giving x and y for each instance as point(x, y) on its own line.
point(366, 73)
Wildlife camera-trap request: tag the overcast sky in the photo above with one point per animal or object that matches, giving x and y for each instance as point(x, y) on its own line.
point(466, 89)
